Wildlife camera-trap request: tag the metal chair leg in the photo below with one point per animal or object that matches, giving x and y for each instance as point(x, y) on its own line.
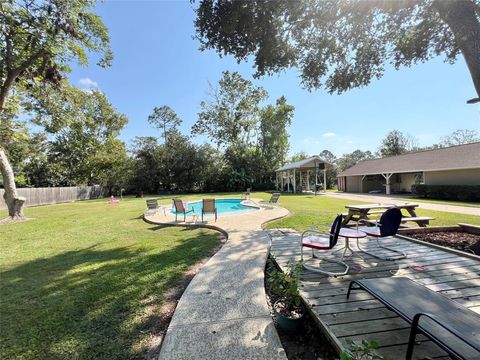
point(350, 287)
point(413, 335)
point(330, 273)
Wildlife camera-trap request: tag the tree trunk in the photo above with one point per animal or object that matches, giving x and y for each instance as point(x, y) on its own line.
point(13, 201)
point(461, 17)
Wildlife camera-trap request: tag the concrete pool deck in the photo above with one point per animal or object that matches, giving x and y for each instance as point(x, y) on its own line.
point(223, 313)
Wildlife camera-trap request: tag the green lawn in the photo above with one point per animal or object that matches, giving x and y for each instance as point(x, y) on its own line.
point(308, 210)
point(87, 279)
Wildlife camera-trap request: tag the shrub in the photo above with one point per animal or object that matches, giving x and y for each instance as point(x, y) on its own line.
point(448, 192)
point(285, 284)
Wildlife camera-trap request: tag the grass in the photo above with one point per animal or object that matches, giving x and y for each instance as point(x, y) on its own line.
point(308, 210)
point(87, 279)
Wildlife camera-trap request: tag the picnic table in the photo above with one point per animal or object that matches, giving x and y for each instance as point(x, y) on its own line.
point(362, 211)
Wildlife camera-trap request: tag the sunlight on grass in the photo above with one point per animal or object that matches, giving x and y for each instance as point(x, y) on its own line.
point(79, 280)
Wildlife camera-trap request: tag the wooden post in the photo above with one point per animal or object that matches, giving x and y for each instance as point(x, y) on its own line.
point(301, 185)
point(294, 182)
point(308, 180)
point(288, 180)
point(361, 183)
point(387, 178)
point(325, 179)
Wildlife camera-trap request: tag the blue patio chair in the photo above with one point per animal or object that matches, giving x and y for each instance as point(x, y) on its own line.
point(387, 225)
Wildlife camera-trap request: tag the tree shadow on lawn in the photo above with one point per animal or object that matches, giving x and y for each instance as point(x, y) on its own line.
point(90, 303)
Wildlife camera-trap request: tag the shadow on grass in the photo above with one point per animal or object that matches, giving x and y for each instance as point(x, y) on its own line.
point(90, 303)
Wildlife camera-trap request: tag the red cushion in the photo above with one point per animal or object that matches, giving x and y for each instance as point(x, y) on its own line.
point(316, 242)
point(370, 230)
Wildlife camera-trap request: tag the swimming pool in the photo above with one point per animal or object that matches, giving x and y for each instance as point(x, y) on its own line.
point(224, 207)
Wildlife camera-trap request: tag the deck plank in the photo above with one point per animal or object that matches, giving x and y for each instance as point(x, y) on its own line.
point(363, 317)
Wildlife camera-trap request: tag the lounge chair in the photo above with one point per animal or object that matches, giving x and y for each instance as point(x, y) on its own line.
point(246, 194)
point(153, 207)
point(273, 199)
point(449, 324)
point(179, 208)
point(208, 206)
point(387, 225)
point(317, 240)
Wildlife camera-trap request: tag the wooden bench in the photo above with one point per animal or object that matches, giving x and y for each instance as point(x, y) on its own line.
point(420, 220)
point(371, 212)
point(453, 327)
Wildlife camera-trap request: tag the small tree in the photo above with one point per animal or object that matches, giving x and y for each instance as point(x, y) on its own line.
point(327, 155)
point(273, 136)
point(459, 137)
point(396, 143)
point(348, 160)
point(166, 119)
point(231, 114)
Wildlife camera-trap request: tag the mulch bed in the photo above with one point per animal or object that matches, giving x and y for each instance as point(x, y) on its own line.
point(453, 239)
point(307, 344)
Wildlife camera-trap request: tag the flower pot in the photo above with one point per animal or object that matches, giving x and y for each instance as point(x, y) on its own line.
point(289, 324)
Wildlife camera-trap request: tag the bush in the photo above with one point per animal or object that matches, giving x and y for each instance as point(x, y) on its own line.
point(448, 192)
point(266, 186)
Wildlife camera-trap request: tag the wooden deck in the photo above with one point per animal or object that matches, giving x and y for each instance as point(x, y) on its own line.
point(362, 317)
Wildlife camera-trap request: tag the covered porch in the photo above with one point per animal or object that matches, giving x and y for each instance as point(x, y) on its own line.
point(385, 182)
point(308, 175)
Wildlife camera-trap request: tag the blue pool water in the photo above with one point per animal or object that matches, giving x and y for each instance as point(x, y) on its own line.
point(224, 206)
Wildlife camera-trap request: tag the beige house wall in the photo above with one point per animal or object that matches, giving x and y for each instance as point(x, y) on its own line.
point(453, 177)
point(406, 182)
point(354, 183)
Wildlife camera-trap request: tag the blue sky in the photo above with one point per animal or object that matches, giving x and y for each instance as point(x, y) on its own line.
point(156, 62)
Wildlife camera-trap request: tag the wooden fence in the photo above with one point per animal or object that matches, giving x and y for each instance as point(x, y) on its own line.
point(54, 195)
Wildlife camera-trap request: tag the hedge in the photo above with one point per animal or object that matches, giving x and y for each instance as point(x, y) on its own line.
point(448, 192)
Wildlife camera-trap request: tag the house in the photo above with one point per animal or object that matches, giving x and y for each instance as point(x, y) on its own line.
point(454, 165)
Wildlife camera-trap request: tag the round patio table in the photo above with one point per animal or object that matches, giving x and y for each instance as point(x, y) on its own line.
point(349, 234)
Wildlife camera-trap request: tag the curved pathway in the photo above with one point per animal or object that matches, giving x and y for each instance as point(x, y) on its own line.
point(223, 313)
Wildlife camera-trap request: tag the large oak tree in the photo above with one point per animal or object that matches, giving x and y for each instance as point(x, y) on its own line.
point(341, 44)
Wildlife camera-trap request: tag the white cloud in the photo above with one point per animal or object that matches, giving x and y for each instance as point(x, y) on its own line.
point(88, 84)
point(329, 134)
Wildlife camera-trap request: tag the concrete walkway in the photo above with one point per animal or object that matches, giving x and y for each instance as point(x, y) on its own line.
point(223, 313)
point(466, 210)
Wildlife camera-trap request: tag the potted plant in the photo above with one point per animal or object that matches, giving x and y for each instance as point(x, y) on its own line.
point(288, 307)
